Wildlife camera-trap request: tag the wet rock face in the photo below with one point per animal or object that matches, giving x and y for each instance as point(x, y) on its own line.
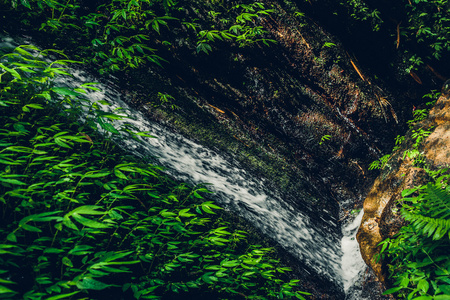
point(380, 220)
point(378, 212)
point(304, 115)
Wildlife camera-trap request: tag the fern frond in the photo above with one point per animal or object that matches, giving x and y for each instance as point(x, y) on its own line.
point(430, 212)
point(428, 226)
point(438, 201)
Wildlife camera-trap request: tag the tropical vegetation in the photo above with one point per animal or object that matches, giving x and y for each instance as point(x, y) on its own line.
point(82, 219)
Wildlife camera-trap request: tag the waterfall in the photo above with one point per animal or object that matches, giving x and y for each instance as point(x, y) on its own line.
point(321, 248)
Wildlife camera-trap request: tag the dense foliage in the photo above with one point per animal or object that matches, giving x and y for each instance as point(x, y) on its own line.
point(420, 263)
point(417, 256)
point(79, 216)
point(122, 34)
point(81, 219)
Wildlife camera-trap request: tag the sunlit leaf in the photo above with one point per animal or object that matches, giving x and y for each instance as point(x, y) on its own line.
point(88, 222)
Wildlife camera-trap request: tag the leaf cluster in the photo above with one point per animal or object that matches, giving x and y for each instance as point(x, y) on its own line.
point(82, 219)
point(240, 25)
point(120, 34)
point(420, 264)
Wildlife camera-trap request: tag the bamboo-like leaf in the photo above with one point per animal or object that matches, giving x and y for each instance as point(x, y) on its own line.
point(97, 175)
point(30, 228)
point(86, 210)
point(20, 149)
point(61, 142)
point(65, 91)
point(63, 296)
point(88, 222)
point(81, 250)
point(119, 174)
point(42, 217)
point(12, 71)
point(69, 223)
point(5, 290)
point(12, 181)
point(66, 261)
point(35, 106)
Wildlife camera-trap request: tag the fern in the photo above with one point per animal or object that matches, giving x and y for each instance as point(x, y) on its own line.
point(430, 212)
point(427, 226)
point(417, 257)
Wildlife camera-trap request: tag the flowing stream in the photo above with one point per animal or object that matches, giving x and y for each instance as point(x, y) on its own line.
point(330, 254)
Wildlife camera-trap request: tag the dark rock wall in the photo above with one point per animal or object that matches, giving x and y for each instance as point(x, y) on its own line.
point(274, 106)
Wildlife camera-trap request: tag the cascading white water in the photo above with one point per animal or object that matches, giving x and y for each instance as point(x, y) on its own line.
point(318, 247)
point(238, 191)
point(352, 263)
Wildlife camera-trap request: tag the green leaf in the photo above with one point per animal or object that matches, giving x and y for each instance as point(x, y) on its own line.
point(53, 250)
point(66, 261)
point(65, 91)
point(12, 181)
point(230, 264)
point(5, 290)
point(20, 149)
point(209, 279)
point(62, 296)
point(445, 288)
point(61, 142)
point(30, 228)
point(405, 281)
point(42, 217)
point(89, 223)
point(110, 256)
point(119, 174)
point(12, 71)
point(19, 127)
point(167, 214)
point(145, 134)
point(423, 285)
point(91, 284)
point(69, 224)
point(407, 192)
point(12, 237)
point(87, 210)
point(392, 290)
point(81, 250)
point(97, 175)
